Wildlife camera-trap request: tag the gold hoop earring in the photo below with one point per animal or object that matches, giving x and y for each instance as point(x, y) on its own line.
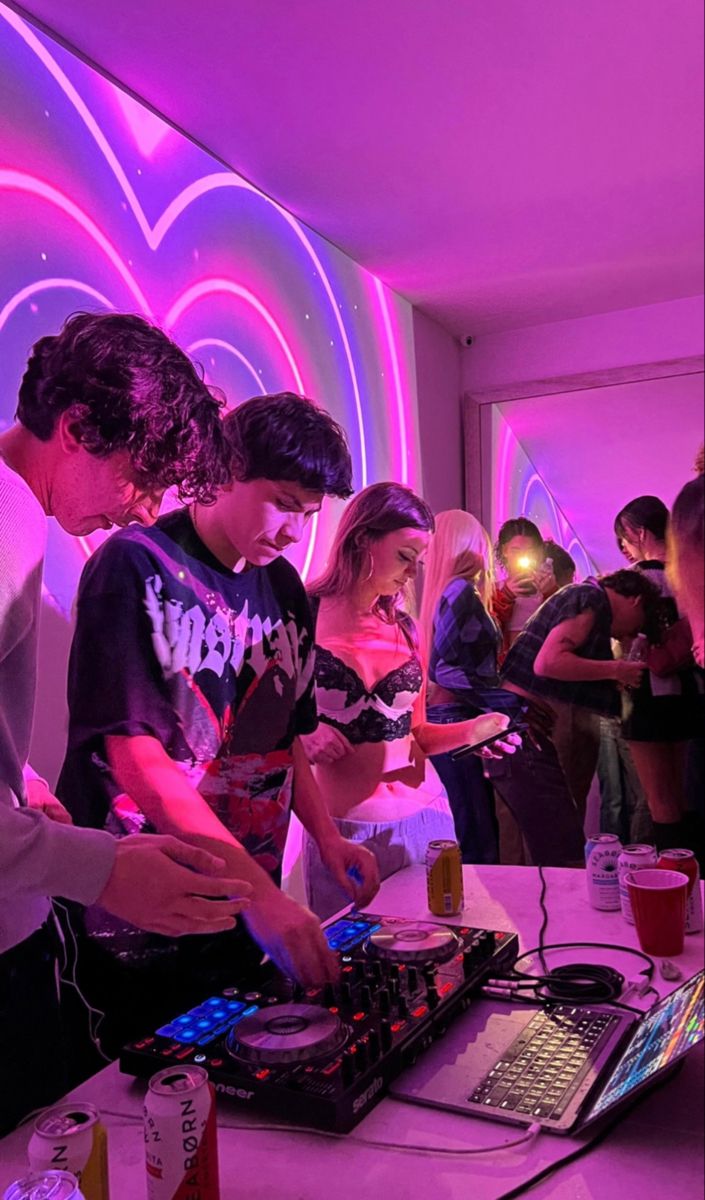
point(368, 576)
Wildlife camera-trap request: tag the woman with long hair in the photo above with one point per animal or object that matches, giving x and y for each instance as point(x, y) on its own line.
point(664, 713)
point(462, 642)
point(528, 577)
point(370, 749)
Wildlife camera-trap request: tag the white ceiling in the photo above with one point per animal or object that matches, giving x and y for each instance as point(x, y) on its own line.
point(500, 164)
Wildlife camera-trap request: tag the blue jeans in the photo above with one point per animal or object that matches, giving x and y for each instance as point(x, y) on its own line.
point(469, 793)
point(533, 786)
point(623, 807)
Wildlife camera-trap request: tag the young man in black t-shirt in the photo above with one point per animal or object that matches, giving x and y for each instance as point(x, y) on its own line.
point(191, 680)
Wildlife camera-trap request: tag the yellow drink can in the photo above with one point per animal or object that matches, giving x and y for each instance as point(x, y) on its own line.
point(444, 878)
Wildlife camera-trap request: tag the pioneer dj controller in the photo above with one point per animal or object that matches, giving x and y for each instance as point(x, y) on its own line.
point(325, 1056)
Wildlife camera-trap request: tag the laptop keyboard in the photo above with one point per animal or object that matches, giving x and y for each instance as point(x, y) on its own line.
point(541, 1070)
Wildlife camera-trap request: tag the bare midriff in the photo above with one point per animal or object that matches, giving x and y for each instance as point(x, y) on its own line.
point(379, 781)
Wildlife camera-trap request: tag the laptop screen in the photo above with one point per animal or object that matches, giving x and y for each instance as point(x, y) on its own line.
point(661, 1037)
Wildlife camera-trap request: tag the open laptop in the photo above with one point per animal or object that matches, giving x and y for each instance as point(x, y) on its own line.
point(560, 1067)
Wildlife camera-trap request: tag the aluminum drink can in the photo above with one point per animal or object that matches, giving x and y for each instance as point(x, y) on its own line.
point(180, 1136)
point(601, 856)
point(70, 1137)
point(685, 861)
point(444, 878)
point(633, 858)
point(47, 1185)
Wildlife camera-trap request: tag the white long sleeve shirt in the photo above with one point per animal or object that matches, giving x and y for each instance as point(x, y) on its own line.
point(38, 858)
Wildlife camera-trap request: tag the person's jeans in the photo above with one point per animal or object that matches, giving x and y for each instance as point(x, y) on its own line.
point(576, 737)
point(469, 794)
point(533, 786)
point(623, 807)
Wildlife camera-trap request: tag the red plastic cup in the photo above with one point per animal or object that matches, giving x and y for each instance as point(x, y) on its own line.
point(658, 902)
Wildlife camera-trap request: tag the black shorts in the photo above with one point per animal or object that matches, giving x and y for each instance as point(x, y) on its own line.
point(664, 719)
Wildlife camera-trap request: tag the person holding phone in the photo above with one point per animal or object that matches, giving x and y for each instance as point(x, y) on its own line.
point(528, 577)
point(372, 746)
point(462, 642)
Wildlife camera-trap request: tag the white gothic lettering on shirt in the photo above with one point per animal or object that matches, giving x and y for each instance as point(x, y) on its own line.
point(186, 640)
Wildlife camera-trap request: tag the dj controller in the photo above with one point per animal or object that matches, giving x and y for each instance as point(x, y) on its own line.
point(327, 1055)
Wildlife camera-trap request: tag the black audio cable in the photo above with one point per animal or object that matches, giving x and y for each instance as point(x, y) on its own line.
point(570, 983)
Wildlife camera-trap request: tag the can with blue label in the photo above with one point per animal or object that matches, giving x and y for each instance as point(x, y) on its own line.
point(601, 867)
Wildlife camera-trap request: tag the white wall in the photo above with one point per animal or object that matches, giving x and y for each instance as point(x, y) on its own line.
point(654, 333)
point(438, 387)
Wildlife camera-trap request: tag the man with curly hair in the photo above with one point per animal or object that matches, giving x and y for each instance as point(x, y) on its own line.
point(110, 414)
point(562, 661)
point(205, 634)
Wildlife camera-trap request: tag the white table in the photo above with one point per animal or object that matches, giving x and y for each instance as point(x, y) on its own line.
point(655, 1153)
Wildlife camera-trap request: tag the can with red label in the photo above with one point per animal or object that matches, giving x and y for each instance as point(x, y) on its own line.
point(70, 1137)
point(180, 1136)
point(633, 858)
point(47, 1185)
point(601, 857)
point(685, 861)
point(444, 878)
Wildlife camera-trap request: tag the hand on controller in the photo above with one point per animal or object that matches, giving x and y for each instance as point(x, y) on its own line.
point(292, 937)
point(163, 885)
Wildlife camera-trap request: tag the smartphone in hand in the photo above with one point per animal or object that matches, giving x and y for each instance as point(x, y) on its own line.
point(518, 724)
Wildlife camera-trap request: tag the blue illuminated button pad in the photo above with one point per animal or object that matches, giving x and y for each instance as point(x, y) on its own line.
point(349, 932)
point(207, 1021)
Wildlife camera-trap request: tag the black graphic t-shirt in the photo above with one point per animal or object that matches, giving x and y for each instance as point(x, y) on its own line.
point(217, 667)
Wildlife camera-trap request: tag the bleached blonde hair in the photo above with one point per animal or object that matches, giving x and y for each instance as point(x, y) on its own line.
point(460, 549)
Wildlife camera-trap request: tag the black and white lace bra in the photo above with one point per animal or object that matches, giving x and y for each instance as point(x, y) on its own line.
point(383, 714)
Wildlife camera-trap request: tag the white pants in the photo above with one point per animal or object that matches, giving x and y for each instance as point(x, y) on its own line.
point(395, 844)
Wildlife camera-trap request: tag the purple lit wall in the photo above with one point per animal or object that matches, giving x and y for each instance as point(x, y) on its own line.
point(519, 490)
point(105, 206)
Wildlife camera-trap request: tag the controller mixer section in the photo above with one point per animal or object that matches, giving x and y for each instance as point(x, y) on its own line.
point(325, 1056)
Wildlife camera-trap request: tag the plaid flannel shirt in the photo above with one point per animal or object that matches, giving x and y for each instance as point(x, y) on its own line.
point(466, 642)
point(598, 695)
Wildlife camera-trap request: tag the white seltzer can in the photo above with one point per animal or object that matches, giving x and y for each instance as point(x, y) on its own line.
point(601, 857)
point(633, 858)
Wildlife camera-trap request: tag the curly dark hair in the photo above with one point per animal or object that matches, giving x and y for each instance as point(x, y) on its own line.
point(564, 568)
point(127, 386)
point(516, 527)
point(631, 583)
point(285, 436)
